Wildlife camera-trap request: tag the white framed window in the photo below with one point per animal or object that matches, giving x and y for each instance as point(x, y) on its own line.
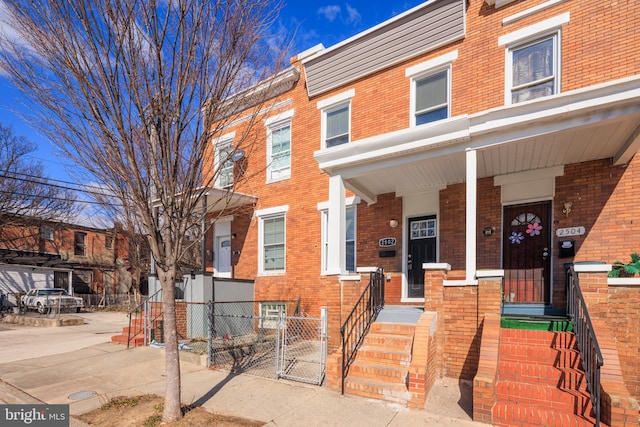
point(533, 60)
point(272, 240)
point(279, 150)
point(336, 119)
point(534, 71)
point(270, 312)
point(431, 89)
point(223, 162)
point(350, 238)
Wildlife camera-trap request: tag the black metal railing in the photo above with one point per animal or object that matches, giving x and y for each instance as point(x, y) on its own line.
point(590, 353)
point(144, 316)
point(363, 314)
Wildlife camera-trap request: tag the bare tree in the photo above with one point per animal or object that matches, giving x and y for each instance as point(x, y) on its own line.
point(134, 91)
point(27, 198)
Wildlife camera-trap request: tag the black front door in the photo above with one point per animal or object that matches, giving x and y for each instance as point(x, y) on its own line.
point(421, 249)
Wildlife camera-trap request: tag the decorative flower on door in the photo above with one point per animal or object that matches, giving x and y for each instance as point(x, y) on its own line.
point(534, 229)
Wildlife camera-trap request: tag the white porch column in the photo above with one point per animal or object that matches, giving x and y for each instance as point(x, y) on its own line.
point(336, 229)
point(471, 211)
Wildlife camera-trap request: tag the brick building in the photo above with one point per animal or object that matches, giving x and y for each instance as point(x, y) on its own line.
point(77, 258)
point(459, 141)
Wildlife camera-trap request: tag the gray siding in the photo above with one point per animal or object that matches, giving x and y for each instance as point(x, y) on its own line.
point(437, 23)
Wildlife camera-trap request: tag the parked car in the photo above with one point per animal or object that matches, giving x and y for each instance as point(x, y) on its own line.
point(44, 300)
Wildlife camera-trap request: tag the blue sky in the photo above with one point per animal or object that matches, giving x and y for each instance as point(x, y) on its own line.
point(311, 22)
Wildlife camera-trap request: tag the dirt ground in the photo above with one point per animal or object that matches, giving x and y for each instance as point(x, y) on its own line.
point(146, 411)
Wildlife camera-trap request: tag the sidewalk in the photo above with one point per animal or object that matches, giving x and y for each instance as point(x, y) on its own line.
point(86, 378)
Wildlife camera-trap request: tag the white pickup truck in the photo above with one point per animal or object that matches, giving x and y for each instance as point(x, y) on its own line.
point(45, 300)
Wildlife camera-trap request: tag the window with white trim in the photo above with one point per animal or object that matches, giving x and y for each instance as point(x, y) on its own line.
point(431, 94)
point(533, 69)
point(270, 312)
point(224, 164)
point(279, 151)
point(350, 239)
point(336, 119)
point(272, 240)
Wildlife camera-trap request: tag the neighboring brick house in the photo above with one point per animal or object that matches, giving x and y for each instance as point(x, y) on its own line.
point(77, 258)
point(487, 135)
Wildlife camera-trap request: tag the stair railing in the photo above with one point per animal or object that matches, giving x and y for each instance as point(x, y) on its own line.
point(362, 315)
point(587, 342)
point(149, 310)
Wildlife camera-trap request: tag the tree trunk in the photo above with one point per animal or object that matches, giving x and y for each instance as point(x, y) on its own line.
point(172, 405)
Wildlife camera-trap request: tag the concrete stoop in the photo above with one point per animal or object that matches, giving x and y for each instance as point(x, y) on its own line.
point(541, 381)
point(381, 367)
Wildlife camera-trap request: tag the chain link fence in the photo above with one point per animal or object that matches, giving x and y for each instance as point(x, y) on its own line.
point(267, 338)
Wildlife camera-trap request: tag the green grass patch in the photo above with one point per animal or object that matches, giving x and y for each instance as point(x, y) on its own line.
point(536, 324)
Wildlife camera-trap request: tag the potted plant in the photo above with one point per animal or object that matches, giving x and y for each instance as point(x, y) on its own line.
point(629, 269)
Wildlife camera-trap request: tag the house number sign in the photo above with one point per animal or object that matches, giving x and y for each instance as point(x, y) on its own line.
point(570, 231)
point(387, 242)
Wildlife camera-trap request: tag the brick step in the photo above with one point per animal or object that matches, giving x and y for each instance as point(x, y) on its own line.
point(531, 338)
point(396, 329)
point(390, 342)
point(574, 401)
point(122, 339)
point(133, 329)
point(560, 358)
point(384, 373)
point(566, 378)
point(382, 356)
point(512, 414)
point(389, 392)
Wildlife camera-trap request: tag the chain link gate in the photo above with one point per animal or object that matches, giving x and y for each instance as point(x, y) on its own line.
point(268, 339)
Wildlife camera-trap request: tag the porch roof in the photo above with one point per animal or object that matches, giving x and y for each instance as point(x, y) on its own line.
point(220, 199)
point(596, 122)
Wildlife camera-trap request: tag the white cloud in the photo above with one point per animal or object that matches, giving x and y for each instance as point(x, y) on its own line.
point(330, 12)
point(353, 17)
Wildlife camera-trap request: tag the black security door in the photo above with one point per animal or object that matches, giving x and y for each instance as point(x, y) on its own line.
point(421, 249)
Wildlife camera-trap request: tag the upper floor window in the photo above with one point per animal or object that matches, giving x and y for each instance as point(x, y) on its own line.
point(46, 233)
point(272, 239)
point(108, 242)
point(279, 147)
point(533, 60)
point(336, 119)
point(534, 69)
point(431, 89)
point(223, 162)
point(432, 97)
point(79, 243)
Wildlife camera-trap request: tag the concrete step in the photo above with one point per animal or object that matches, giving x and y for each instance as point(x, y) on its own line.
point(544, 396)
point(375, 371)
point(389, 392)
point(530, 338)
point(389, 342)
point(513, 414)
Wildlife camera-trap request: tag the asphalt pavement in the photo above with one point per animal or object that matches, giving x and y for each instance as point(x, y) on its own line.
point(79, 366)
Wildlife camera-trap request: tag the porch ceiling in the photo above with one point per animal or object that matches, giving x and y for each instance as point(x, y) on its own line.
point(594, 123)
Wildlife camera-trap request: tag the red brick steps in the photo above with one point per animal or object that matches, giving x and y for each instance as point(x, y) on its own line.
point(541, 381)
point(136, 328)
point(381, 368)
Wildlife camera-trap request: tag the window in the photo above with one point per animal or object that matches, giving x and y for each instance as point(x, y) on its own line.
point(350, 239)
point(279, 151)
point(225, 168)
point(272, 239)
point(336, 119)
point(534, 69)
point(423, 229)
point(337, 126)
point(431, 97)
point(79, 243)
point(46, 233)
point(270, 313)
point(108, 242)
